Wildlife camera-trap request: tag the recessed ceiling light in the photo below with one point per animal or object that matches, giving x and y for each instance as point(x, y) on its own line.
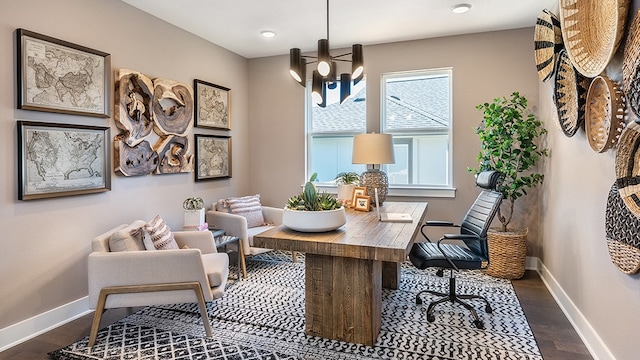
point(268, 33)
point(461, 8)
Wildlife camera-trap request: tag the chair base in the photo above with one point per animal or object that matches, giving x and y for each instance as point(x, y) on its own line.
point(453, 297)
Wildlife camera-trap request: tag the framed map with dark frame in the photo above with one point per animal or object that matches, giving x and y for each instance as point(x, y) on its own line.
point(62, 160)
point(212, 157)
point(58, 76)
point(212, 105)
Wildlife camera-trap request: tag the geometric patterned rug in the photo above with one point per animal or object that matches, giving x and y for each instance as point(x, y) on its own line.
point(262, 317)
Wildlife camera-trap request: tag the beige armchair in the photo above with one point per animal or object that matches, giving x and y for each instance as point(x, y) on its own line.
point(138, 277)
point(237, 225)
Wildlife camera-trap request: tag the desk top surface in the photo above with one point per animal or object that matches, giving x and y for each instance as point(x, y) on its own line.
point(363, 236)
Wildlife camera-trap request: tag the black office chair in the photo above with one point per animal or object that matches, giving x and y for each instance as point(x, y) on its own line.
point(474, 254)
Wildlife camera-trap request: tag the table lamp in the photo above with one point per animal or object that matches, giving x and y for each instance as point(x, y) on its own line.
point(374, 149)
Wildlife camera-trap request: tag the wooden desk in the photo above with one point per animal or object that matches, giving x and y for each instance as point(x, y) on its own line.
point(346, 269)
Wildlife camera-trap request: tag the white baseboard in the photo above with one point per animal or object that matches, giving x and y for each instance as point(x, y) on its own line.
point(593, 342)
point(39, 324)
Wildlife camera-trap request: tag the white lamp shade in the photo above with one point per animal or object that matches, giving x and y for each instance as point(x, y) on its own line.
point(373, 149)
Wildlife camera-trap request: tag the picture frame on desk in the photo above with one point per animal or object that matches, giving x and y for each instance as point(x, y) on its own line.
point(362, 203)
point(357, 191)
point(57, 76)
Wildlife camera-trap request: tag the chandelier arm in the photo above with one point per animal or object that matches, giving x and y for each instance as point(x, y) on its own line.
point(341, 55)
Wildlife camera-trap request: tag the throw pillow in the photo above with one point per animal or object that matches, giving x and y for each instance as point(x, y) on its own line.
point(249, 207)
point(161, 234)
point(128, 238)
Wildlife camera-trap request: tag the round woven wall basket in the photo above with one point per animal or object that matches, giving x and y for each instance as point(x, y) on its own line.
point(604, 114)
point(592, 31)
point(570, 95)
point(628, 167)
point(630, 65)
point(547, 41)
point(622, 233)
point(507, 254)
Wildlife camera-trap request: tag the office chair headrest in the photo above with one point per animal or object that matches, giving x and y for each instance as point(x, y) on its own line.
point(488, 179)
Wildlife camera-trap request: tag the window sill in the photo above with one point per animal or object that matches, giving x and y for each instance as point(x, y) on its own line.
point(412, 192)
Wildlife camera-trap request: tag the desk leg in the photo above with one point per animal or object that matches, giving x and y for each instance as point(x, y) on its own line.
point(390, 275)
point(343, 298)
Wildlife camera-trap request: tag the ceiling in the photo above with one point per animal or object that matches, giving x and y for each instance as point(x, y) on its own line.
point(236, 24)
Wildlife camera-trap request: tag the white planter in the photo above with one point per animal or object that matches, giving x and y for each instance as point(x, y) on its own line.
point(345, 191)
point(314, 221)
point(193, 217)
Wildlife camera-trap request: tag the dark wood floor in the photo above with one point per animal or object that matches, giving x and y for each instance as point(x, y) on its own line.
point(553, 332)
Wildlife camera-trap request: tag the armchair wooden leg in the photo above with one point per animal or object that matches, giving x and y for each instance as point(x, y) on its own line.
point(102, 300)
point(294, 256)
point(243, 263)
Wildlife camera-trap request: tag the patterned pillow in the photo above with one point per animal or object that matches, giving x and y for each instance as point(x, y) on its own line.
point(249, 207)
point(160, 234)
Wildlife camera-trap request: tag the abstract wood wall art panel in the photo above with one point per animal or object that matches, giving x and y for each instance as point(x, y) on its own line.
point(155, 117)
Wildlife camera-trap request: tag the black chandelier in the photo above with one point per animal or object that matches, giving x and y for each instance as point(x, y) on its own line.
point(325, 75)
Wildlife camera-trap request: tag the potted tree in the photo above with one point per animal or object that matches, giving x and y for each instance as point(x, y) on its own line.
point(510, 136)
point(346, 181)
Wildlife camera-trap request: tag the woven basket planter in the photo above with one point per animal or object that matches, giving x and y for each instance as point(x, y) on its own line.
point(604, 115)
point(592, 31)
point(507, 254)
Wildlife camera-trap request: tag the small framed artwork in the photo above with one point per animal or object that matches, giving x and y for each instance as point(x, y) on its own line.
point(212, 157)
point(58, 76)
point(358, 190)
point(62, 160)
point(212, 105)
point(362, 203)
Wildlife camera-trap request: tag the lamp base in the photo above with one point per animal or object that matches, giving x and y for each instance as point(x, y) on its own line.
point(375, 179)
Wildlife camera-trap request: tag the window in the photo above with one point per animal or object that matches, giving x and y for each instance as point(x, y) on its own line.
point(330, 132)
point(416, 109)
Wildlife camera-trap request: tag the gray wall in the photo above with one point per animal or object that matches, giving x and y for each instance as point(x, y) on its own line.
point(44, 243)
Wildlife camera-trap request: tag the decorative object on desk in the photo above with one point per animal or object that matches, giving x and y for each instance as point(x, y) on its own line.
point(212, 105)
point(194, 213)
point(592, 31)
point(605, 114)
point(213, 157)
point(374, 149)
point(570, 95)
point(326, 73)
point(547, 40)
point(313, 212)
point(346, 182)
point(62, 160)
point(357, 191)
point(362, 203)
point(510, 139)
point(58, 76)
point(274, 296)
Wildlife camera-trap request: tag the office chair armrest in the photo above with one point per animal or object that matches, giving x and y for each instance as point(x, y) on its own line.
point(440, 223)
point(458, 237)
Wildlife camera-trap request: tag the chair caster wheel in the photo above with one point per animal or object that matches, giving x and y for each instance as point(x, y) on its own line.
point(431, 318)
point(478, 324)
point(488, 309)
point(418, 300)
point(440, 272)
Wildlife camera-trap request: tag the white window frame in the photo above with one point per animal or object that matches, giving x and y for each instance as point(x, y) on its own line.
point(447, 190)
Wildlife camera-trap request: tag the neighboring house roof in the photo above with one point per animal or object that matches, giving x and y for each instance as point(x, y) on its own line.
point(410, 104)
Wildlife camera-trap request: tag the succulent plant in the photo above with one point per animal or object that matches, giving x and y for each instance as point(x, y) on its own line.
point(310, 200)
point(193, 203)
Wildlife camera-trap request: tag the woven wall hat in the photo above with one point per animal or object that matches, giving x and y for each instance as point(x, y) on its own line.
point(622, 230)
point(592, 31)
point(628, 167)
point(570, 95)
point(547, 41)
point(604, 113)
point(630, 66)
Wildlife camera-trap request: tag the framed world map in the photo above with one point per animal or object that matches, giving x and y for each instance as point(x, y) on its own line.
point(212, 105)
point(62, 160)
point(58, 76)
